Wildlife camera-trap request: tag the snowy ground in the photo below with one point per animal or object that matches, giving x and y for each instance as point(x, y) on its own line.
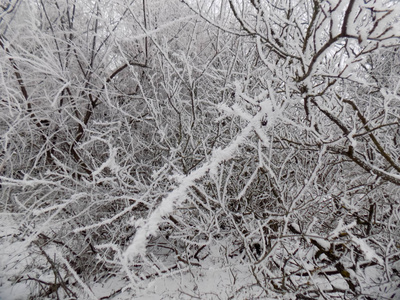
point(13, 261)
point(213, 280)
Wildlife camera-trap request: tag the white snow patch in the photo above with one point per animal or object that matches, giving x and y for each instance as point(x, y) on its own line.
point(369, 253)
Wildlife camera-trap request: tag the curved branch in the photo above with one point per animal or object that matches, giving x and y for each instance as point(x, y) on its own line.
point(382, 151)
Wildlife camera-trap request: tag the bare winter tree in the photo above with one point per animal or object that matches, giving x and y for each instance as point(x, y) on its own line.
point(149, 146)
point(317, 203)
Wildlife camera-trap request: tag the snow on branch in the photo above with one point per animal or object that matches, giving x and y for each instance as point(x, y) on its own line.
point(149, 227)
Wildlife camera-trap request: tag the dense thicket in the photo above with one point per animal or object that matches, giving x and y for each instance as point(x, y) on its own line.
point(145, 141)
